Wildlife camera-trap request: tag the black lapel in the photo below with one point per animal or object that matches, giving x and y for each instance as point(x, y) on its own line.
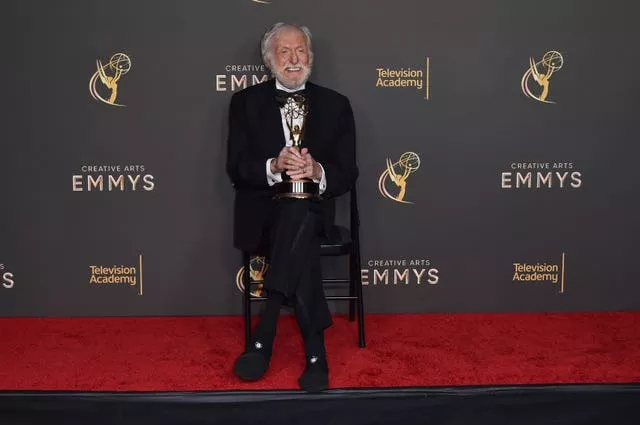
point(310, 132)
point(272, 120)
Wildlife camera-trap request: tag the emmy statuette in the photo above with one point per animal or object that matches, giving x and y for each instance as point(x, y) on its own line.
point(296, 108)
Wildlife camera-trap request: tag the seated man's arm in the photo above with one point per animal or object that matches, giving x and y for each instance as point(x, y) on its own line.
point(341, 170)
point(245, 169)
point(272, 178)
point(322, 182)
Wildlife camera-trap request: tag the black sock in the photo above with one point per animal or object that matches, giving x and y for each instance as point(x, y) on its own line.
point(314, 345)
point(313, 340)
point(266, 329)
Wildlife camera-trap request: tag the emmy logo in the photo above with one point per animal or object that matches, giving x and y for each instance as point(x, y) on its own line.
point(541, 72)
point(257, 268)
point(109, 75)
point(398, 172)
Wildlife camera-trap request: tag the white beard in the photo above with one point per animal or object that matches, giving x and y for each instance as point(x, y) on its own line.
point(288, 83)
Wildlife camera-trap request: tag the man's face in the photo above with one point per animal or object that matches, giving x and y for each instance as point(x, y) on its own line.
point(290, 58)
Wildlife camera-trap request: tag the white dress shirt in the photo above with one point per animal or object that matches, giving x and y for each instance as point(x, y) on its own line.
point(273, 178)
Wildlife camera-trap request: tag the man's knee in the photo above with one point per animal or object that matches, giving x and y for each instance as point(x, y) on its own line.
point(292, 207)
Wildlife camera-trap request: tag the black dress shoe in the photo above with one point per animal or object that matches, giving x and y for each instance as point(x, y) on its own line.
point(315, 377)
point(253, 363)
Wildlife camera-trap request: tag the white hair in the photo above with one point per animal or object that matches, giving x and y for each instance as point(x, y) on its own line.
point(266, 46)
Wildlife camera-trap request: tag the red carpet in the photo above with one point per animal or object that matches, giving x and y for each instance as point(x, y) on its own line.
point(196, 353)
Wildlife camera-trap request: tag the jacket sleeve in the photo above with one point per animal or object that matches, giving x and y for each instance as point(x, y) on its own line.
point(341, 169)
point(244, 167)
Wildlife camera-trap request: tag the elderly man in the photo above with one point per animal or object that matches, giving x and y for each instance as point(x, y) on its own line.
point(289, 231)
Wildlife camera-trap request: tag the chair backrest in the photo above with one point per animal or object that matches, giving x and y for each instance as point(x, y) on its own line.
point(347, 211)
point(354, 215)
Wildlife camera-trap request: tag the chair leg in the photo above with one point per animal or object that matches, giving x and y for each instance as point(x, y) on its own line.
point(358, 285)
point(352, 288)
point(246, 281)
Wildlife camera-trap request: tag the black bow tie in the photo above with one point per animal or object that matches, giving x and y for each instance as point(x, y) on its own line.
point(282, 96)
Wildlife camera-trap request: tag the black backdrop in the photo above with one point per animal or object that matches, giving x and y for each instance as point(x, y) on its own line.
point(517, 204)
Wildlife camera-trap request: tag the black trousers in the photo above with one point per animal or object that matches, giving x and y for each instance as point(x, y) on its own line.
point(294, 236)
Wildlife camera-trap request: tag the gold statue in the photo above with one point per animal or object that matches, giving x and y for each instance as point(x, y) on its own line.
point(551, 62)
point(118, 65)
point(296, 109)
point(408, 163)
point(257, 268)
point(296, 133)
point(110, 82)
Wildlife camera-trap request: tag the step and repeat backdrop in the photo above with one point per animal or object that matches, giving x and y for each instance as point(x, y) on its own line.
point(497, 147)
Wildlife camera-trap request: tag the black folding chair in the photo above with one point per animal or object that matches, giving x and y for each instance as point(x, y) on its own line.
point(348, 244)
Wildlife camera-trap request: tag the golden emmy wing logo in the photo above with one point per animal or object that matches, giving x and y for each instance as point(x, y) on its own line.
point(392, 183)
point(541, 73)
point(257, 268)
point(109, 76)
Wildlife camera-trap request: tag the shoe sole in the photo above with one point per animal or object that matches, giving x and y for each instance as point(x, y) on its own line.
point(319, 387)
point(251, 367)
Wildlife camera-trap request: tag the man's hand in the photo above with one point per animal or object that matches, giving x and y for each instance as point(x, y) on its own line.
point(288, 159)
point(309, 169)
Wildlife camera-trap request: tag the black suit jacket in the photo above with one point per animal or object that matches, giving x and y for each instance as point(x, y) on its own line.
point(256, 134)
